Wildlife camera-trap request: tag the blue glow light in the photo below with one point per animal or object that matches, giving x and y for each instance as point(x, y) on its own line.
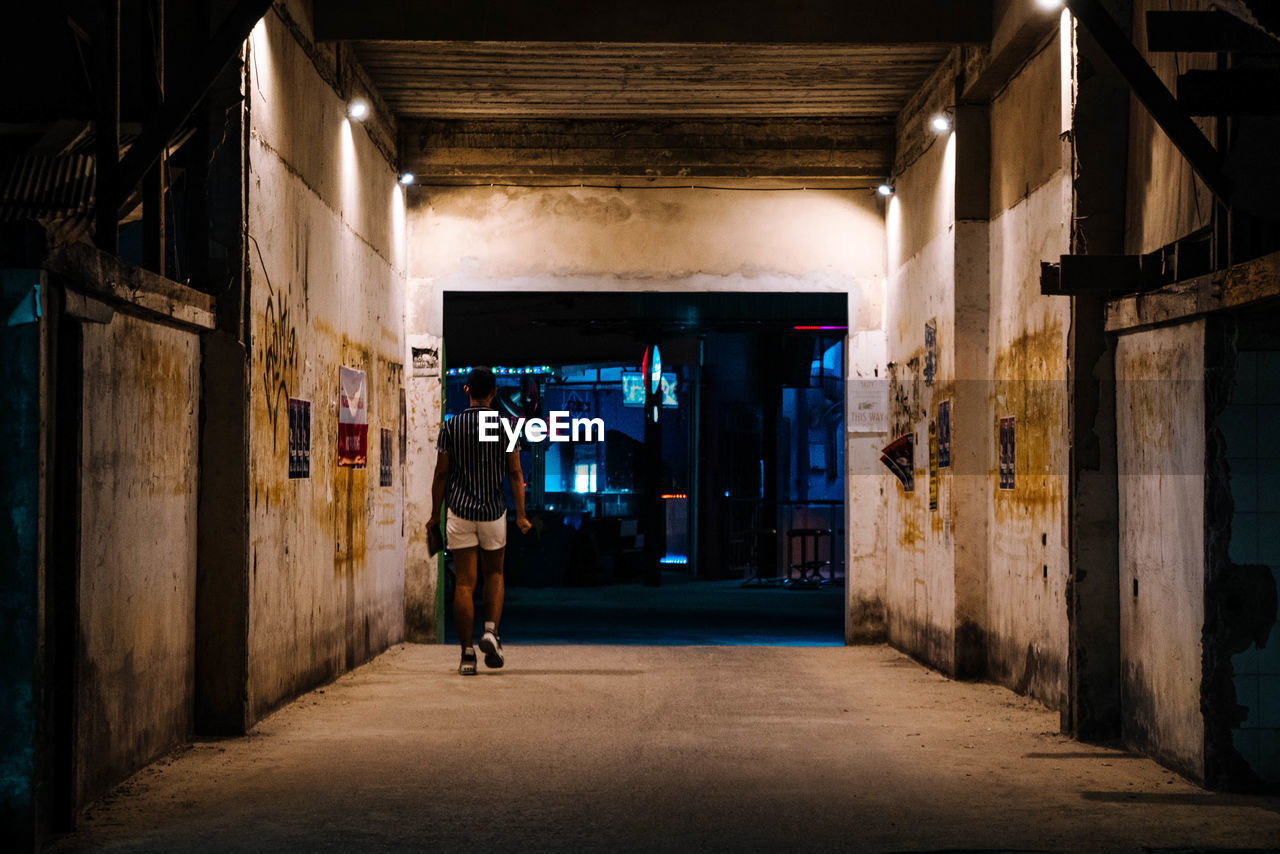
point(676, 560)
point(503, 371)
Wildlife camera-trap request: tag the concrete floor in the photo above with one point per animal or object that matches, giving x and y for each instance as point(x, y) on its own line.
point(632, 748)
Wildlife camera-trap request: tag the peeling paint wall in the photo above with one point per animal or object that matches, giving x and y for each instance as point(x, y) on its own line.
point(920, 562)
point(977, 585)
point(1026, 595)
point(326, 229)
point(137, 547)
point(695, 240)
point(1026, 627)
point(865, 510)
point(1160, 423)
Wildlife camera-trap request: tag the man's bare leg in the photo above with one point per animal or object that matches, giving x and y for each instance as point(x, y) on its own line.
point(494, 593)
point(494, 584)
point(464, 591)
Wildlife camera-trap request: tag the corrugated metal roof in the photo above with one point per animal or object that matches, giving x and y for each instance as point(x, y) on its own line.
point(46, 189)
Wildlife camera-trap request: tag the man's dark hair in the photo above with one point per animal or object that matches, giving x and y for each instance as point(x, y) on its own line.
point(480, 383)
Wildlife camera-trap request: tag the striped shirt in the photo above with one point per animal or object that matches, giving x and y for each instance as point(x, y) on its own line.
point(474, 488)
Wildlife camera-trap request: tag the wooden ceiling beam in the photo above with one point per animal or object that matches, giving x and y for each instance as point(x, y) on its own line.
point(659, 21)
point(466, 151)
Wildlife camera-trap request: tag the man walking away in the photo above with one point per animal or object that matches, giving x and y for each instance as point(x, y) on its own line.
point(468, 480)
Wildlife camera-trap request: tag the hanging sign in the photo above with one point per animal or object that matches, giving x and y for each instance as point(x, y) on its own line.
point(353, 418)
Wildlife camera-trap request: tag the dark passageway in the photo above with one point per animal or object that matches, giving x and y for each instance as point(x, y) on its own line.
point(924, 355)
point(748, 443)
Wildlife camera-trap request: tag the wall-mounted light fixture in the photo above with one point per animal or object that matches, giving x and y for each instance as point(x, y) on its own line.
point(941, 123)
point(885, 190)
point(1049, 4)
point(406, 178)
point(358, 109)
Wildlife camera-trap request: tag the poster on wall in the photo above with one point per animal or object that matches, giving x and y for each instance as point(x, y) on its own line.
point(930, 351)
point(299, 438)
point(385, 451)
point(426, 361)
point(404, 428)
point(944, 434)
point(353, 418)
point(868, 406)
point(899, 456)
point(1007, 456)
point(933, 466)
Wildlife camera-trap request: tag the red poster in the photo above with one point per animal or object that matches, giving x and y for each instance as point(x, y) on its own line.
point(353, 418)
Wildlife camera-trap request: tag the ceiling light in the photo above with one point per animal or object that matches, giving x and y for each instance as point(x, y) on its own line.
point(1049, 4)
point(358, 109)
point(885, 190)
point(941, 123)
point(406, 178)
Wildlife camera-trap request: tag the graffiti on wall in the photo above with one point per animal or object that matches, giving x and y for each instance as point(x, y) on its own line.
point(278, 357)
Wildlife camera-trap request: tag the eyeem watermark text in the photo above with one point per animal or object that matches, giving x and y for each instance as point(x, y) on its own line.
point(559, 428)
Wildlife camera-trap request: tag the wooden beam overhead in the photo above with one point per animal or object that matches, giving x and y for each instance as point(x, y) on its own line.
point(1210, 32)
point(173, 113)
point(658, 21)
point(1246, 284)
point(469, 151)
point(553, 80)
point(1150, 90)
point(1082, 274)
point(1230, 92)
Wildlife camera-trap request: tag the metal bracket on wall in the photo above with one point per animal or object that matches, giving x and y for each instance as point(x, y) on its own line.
point(1081, 274)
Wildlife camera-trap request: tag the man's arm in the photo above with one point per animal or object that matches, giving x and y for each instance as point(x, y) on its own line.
point(516, 476)
point(438, 483)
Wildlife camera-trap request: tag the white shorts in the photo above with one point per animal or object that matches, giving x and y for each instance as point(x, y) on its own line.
point(466, 534)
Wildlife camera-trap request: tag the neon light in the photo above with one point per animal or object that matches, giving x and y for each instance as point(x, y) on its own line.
point(674, 495)
point(819, 328)
point(677, 560)
point(527, 369)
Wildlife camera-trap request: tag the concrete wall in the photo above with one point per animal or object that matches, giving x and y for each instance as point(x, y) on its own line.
point(1160, 423)
point(325, 223)
point(137, 547)
point(867, 486)
point(475, 239)
point(920, 564)
point(1026, 626)
point(976, 586)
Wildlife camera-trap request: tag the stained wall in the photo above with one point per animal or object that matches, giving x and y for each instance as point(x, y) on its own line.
point(136, 588)
point(1026, 629)
point(325, 228)
point(1160, 424)
point(976, 573)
